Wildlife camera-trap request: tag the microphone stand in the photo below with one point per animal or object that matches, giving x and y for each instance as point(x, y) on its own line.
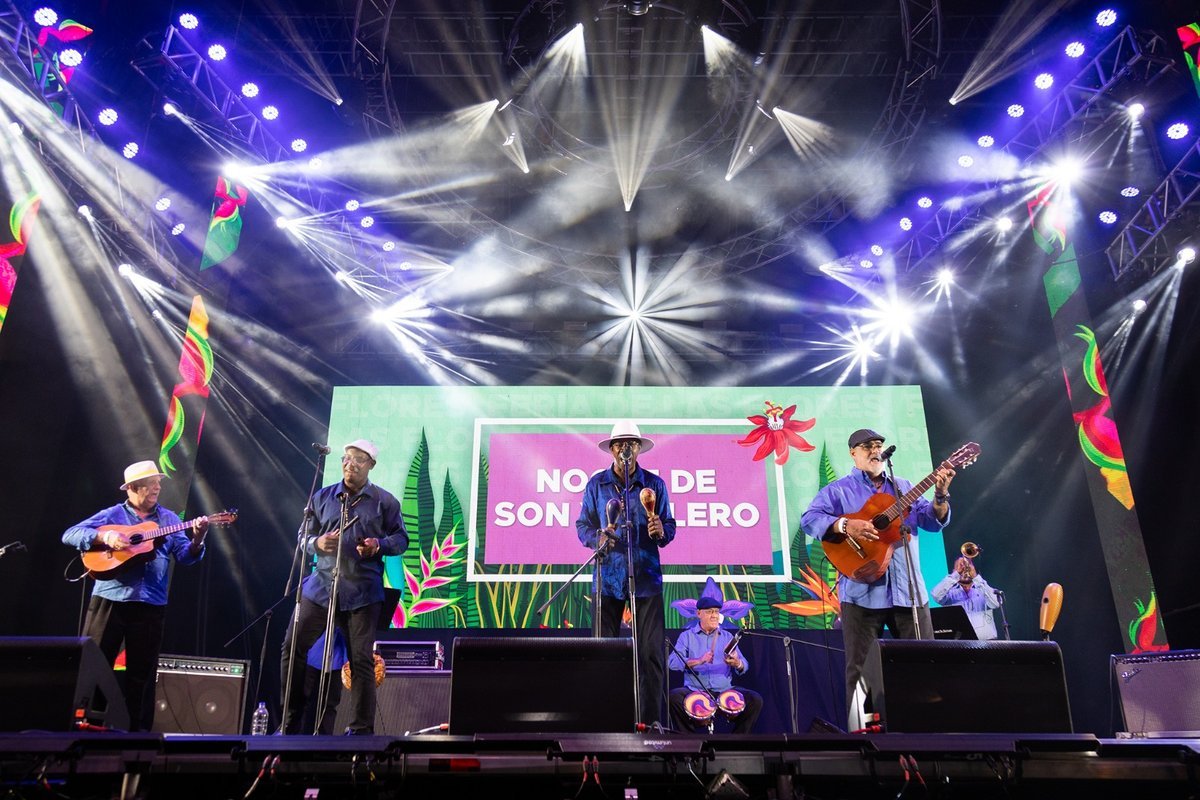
point(14, 546)
point(331, 613)
point(788, 663)
point(597, 555)
point(1003, 616)
point(630, 532)
point(905, 535)
point(296, 571)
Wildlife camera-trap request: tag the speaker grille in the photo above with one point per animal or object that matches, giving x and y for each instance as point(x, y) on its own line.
point(1158, 691)
point(200, 695)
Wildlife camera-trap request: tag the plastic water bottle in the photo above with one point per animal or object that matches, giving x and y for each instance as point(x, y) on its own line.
point(260, 721)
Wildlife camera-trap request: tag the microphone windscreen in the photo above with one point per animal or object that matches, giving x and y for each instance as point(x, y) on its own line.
point(1052, 599)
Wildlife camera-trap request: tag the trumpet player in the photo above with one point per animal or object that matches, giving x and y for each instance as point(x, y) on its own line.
point(965, 587)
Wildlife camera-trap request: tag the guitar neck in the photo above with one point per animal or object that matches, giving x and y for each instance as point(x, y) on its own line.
point(169, 529)
point(909, 497)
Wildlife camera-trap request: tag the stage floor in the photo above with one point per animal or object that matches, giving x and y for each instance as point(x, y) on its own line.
point(624, 766)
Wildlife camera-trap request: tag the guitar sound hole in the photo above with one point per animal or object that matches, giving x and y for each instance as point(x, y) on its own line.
point(881, 522)
point(135, 538)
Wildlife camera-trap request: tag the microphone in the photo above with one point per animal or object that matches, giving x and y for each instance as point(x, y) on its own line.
point(626, 452)
point(1052, 599)
point(323, 449)
point(886, 454)
point(733, 643)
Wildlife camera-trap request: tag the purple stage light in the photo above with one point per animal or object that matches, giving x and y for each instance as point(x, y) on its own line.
point(965, 161)
point(925, 202)
point(1044, 80)
point(130, 150)
point(1108, 217)
point(249, 89)
point(1075, 49)
point(188, 21)
point(1177, 131)
point(1106, 17)
point(270, 112)
point(178, 229)
point(299, 145)
point(367, 222)
point(217, 52)
point(876, 250)
point(1130, 191)
point(1016, 110)
point(352, 205)
point(162, 204)
point(45, 17)
point(70, 57)
point(986, 141)
point(905, 224)
point(107, 116)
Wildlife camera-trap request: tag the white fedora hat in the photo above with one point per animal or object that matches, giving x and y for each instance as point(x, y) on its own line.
point(139, 472)
point(626, 430)
point(367, 446)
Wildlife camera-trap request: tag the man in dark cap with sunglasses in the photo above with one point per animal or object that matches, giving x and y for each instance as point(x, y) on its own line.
point(868, 605)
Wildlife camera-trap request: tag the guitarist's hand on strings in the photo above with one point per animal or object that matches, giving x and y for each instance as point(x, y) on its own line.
point(113, 540)
point(199, 531)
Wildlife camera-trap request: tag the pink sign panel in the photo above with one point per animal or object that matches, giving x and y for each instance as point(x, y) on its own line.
point(718, 497)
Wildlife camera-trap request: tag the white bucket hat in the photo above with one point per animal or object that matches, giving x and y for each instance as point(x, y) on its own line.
point(626, 430)
point(367, 446)
point(139, 472)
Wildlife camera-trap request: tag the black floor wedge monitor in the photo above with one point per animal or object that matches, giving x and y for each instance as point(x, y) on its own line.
point(542, 684)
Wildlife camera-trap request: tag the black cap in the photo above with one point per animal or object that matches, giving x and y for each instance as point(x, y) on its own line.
point(863, 435)
point(707, 601)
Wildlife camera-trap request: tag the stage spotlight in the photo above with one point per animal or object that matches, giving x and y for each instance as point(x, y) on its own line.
point(299, 145)
point(866, 263)
point(1075, 49)
point(1186, 255)
point(1135, 111)
point(283, 223)
point(249, 89)
point(876, 250)
point(70, 57)
point(905, 224)
point(315, 161)
point(178, 228)
point(45, 17)
point(352, 205)
point(1139, 306)
point(16, 128)
point(170, 110)
point(1016, 110)
point(1107, 217)
point(1106, 17)
point(217, 52)
point(945, 278)
point(130, 149)
point(367, 222)
point(924, 202)
point(1177, 131)
point(389, 246)
point(986, 141)
point(85, 211)
point(107, 117)
point(1044, 81)
point(1004, 224)
point(337, 101)
point(1066, 171)
point(188, 21)
point(125, 270)
point(162, 204)
point(965, 161)
point(270, 112)
point(1130, 191)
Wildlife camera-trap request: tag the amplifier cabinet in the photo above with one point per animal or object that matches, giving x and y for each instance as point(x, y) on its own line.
point(200, 695)
point(1159, 691)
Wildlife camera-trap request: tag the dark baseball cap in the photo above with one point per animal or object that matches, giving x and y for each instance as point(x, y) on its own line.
point(863, 435)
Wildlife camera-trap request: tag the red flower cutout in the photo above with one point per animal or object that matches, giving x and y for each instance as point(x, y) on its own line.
point(778, 431)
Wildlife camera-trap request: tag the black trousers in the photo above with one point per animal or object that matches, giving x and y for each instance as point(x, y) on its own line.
point(140, 627)
point(651, 644)
point(359, 627)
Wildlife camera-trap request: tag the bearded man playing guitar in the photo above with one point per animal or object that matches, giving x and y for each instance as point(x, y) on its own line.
point(129, 602)
point(878, 577)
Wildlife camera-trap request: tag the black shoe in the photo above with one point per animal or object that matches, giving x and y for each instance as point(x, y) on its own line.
point(359, 732)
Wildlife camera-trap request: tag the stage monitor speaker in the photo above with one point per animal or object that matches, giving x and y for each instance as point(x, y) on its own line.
point(200, 695)
point(406, 702)
point(53, 683)
point(542, 684)
point(958, 686)
point(1158, 692)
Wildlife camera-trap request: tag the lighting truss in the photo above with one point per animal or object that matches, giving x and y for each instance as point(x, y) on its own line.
point(1074, 114)
point(1141, 243)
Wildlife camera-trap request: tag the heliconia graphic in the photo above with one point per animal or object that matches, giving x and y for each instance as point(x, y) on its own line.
point(225, 227)
point(20, 219)
point(1097, 432)
point(195, 372)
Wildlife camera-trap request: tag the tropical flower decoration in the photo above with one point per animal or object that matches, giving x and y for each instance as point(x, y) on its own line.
point(776, 431)
point(1143, 629)
point(825, 599)
point(1097, 433)
point(440, 557)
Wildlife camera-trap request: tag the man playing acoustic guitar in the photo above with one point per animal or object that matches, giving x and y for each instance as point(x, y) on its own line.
point(129, 602)
point(873, 598)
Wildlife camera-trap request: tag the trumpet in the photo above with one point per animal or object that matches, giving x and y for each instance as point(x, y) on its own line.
point(970, 550)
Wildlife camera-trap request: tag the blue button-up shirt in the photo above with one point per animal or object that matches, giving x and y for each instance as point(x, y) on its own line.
point(378, 517)
point(144, 578)
point(693, 643)
point(847, 495)
point(648, 569)
point(979, 599)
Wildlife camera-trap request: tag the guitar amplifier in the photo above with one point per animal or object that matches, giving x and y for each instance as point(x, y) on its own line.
point(200, 695)
point(409, 656)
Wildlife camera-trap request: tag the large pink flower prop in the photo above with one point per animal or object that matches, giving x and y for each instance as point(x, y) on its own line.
point(776, 431)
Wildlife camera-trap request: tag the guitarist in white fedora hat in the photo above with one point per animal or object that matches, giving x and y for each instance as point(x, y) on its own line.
point(129, 602)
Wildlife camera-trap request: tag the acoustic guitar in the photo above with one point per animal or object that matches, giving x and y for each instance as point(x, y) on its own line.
point(141, 537)
point(868, 561)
